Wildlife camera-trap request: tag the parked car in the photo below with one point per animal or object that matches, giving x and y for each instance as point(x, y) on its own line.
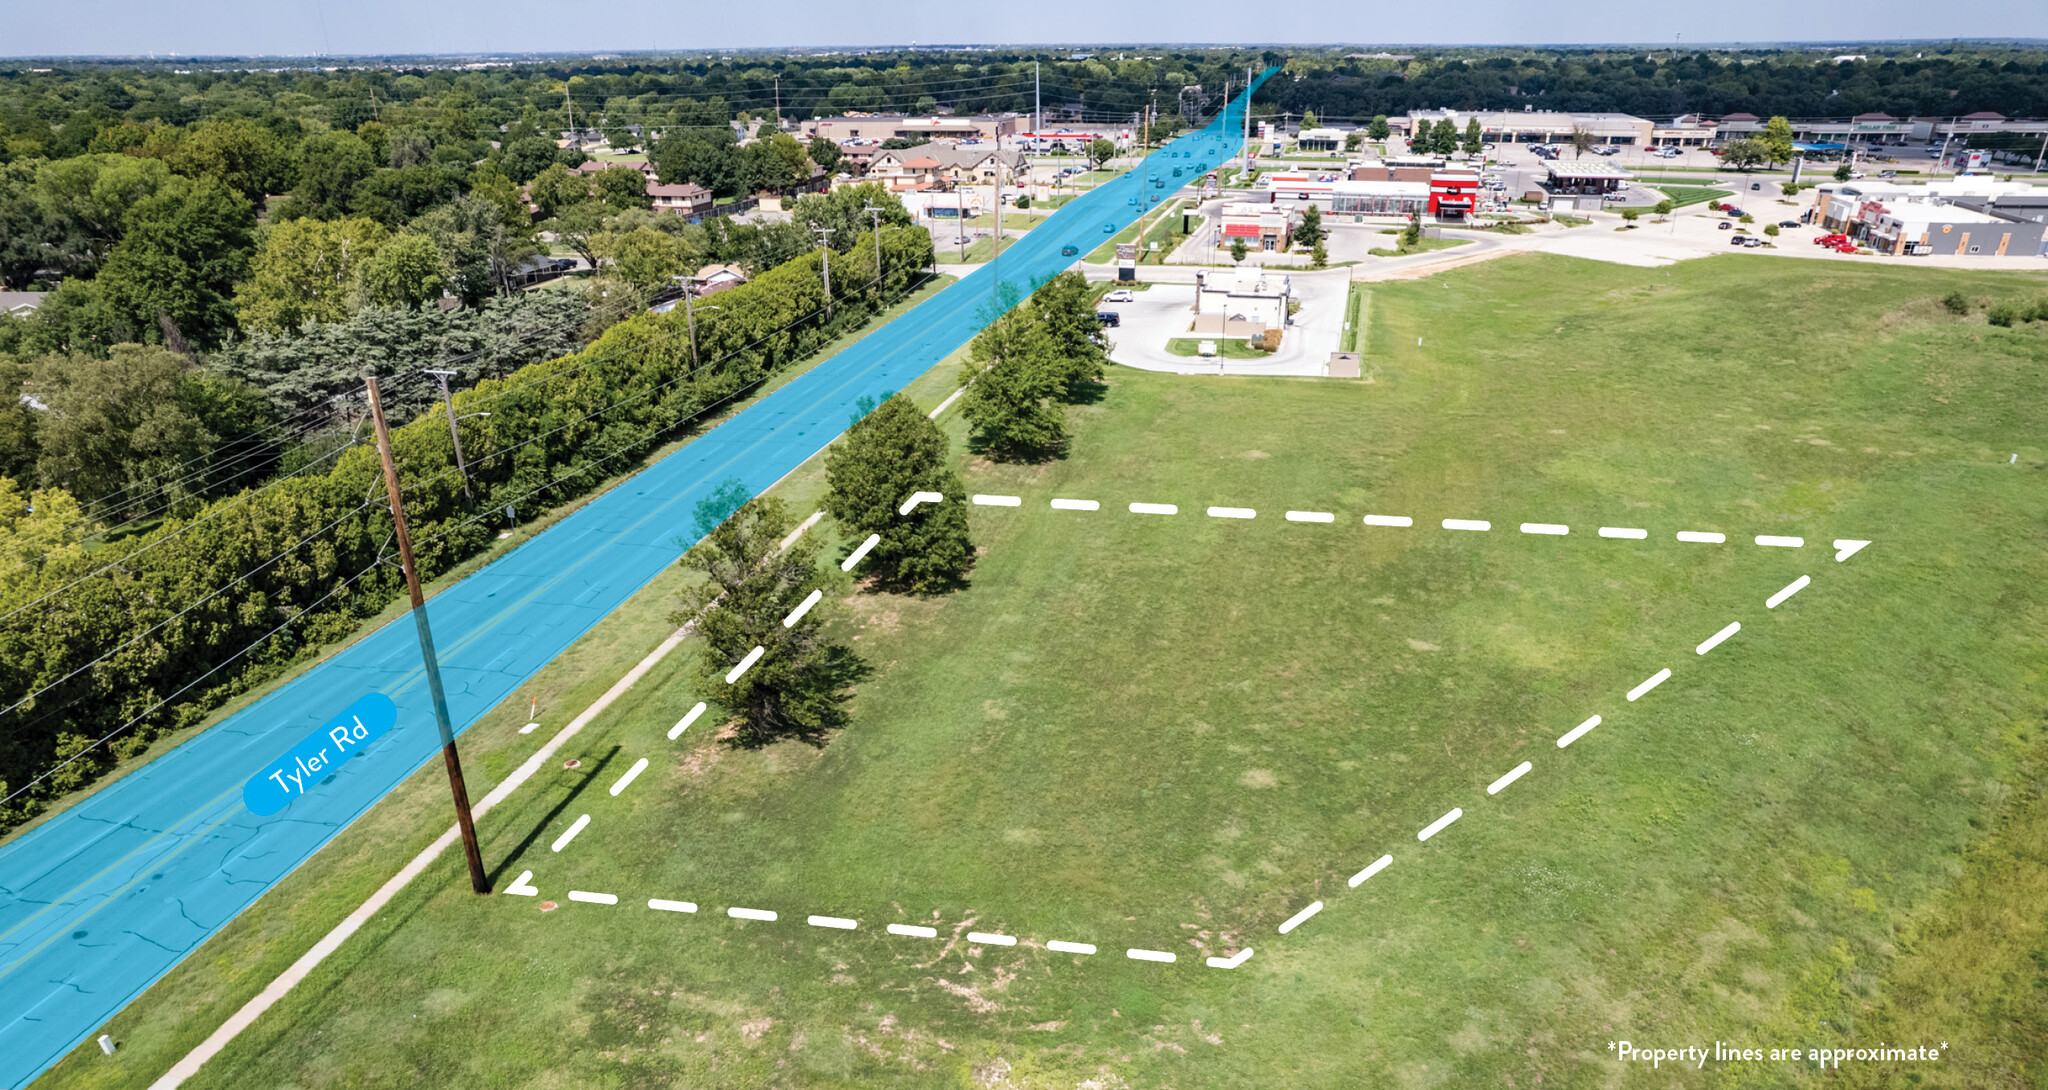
point(1120, 295)
point(1788, 223)
point(1109, 317)
point(1726, 226)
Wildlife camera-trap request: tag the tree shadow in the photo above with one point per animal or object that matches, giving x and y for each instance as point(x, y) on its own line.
point(1087, 392)
point(1016, 453)
point(840, 671)
point(540, 827)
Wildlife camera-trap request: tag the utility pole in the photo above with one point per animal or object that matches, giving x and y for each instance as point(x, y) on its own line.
point(478, 881)
point(996, 241)
point(875, 213)
point(1037, 111)
point(778, 104)
point(453, 433)
point(827, 241)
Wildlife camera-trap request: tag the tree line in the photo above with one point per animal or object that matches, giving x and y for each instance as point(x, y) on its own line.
point(151, 633)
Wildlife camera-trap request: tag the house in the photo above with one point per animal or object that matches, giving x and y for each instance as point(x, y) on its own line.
point(20, 303)
point(876, 128)
point(592, 166)
point(905, 168)
point(712, 279)
point(688, 199)
point(1240, 302)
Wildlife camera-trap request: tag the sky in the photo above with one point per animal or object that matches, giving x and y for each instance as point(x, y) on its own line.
point(327, 27)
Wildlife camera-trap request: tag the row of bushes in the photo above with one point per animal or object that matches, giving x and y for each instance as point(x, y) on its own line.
point(556, 429)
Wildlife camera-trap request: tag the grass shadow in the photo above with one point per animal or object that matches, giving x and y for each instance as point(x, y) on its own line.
point(548, 818)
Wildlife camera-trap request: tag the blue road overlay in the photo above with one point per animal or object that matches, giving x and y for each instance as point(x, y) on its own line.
point(102, 900)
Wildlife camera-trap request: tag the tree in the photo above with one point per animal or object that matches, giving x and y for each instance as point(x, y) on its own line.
point(1308, 120)
point(1419, 137)
point(1771, 229)
point(844, 210)
point(236, 152)
point(478, 251)
point(890, 452)
point(556, 189)
point(644, 258)
point(1310, 233)
point(1010, 404)
point(1743, 154)
point(527, 156)
point(620, 188)
point(1378, 129)
point(1100, 151)
point(1664, 207)
point(776, 165)
point(1789, 189)
point(1631, 214)
point(1475, 140)
point(488, 183)
point(706, 157)
point(1238, 248)
point(174, 270)
point(1842, 171)
point(796, 689)
point(825, 153)
point(1776, 141)
point(93, 195)
point(305, 270)
point(1582, 141)
point(1444, 140)
point(1062, 310)
point(406, 271)
point(394, 197)
point(331, 165)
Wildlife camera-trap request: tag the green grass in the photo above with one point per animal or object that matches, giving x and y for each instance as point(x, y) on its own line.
point(1175, 732)
point(1683, 195)
point(1357, 317)
point(1012, 221)
point(979, 250)
point(1420, 246)
point(1230, 348)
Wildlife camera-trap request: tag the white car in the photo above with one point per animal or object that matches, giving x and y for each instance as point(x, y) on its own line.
point(1120, 295)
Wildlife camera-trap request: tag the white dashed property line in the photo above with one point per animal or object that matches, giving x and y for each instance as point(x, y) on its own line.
point(916, 498)
point(1061, 946)
point(594, 898)
point(855, 556)
point(574, 828)
point(683, 724)
point(1781, 542)
point(632, 774)
point(1231, 962)
point(1377, 866)
point(1076, 505)
point(1552, 528)
point(1714, 640)
point(1154, 509)
point(1577, 732)
point(753, 657)
point(992, 940)
point(1437, 826)
point(1629, 532)
point(1310, 516)
point(913, 930)
point(1467, 524)
point(1150, 955)
point(839, 922)
point(1389, 520)
point(797, 614)
point(1792, 588)
point(660, 905)
point(751, 914)
point(1232, 513)
point(1655, 680)
point(1494, 788)
point(1301, 917)
point(1701, 536)
point(997, 501)
point(519, 886)
point(1847, 547)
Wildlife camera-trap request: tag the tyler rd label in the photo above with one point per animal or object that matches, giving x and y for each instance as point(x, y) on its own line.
point(312, 760)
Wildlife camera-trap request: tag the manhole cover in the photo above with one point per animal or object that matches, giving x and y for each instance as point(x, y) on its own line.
point(572, 763)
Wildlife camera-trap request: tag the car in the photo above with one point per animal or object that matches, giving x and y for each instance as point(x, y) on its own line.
point(1726, 226)
point(1109, 317)
point(1738, 240)
point(1109, 228)
point(1159, 183)
point(1176, 172)
point(1120, 295)
point(1733, 212)
point(1134, 200)
point(1069, 251)
point(1155, 198)
point(1788, 223)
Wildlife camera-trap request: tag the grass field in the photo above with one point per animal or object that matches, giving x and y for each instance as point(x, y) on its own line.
point(1420, 246)
point(978, 251)
point(1230, 348)
point(1174, 732)
point(1683, 195)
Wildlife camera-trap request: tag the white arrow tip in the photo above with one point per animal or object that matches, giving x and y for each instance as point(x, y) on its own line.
point(1846, 548)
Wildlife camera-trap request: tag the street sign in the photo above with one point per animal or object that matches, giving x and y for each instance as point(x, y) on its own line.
point(1127, 251)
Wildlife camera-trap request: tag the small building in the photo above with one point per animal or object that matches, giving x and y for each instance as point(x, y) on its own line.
point(592, 166)
point(1320, 140)
point(1262, 226)
point(1380, 198)
point(20, 303)
point(1240, 302)
point(926, 163)
point(1584, 177)
point(712, 279)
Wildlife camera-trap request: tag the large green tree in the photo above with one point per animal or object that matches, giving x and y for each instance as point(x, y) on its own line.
point(797, 688)
point(1776, 141)
point(406, 272)
point(305, 270)
point(174, 271)
point(889, 453)
point(1015, 375)
point(331, 165)
point(644, 258)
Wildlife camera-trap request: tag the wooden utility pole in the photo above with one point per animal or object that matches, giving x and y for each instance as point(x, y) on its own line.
point(825, 238)
point(454, 433)
point(477, 879)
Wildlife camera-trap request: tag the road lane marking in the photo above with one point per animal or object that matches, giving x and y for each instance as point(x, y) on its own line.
point(1154, 509)
point(1552, 528)
point(1629, 532)
point(992, 940)
point(660, 905)
point(1780, 542)
point(1060, 946)
point(913, 930)
point(594, 898)
point(750, 914)
point(840, 922)
point(1310, 516)
point(1389, 520)
point(1702, 536)
point(997, 501)
point(1467, 524)
point(1076, 505)
point(683, 724)
point(1232, 513)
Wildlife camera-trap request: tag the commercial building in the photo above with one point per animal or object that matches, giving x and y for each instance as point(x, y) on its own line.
point(1928, 228)
point(1967, 216)
point(1320, 140)
point(1687, 131)
point(1263, 226)
point(1537, 126)
point(941, 163)
point(1453, 194)
point(1380, 198)
point(875, 128)
point(1240, 302)
point(1871, 128)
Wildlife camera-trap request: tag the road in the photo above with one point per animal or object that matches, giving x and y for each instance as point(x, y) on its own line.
point(103, 899)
